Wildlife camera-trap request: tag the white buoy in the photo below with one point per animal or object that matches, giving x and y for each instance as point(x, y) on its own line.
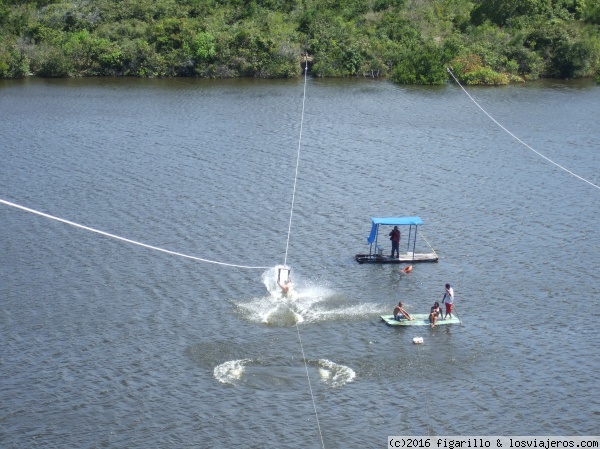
point(418, 340)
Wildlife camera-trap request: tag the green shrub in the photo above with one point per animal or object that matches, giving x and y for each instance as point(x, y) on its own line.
point(14, 62)
point(141, 59)
point(52, 62)
point(503, 12)
point(92, 55)
point(591, 12)
point(572, 59)
point(204, 47)
point(422, 65)
point(486, 76)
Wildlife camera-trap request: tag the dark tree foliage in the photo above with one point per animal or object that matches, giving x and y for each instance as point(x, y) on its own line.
point(485, 41)
point(500, 12)
point(421, 65)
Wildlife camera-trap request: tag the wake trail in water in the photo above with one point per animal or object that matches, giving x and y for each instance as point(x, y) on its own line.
point(263, 373)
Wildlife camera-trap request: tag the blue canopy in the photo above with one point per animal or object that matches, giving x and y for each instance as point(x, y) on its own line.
point(391, 221)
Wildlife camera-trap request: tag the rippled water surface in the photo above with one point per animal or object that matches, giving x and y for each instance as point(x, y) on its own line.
point(110, 344)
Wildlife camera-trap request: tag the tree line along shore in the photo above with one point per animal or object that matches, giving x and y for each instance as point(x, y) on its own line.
point(489, 42)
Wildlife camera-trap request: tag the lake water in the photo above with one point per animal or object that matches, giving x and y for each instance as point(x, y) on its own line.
point(110, 344)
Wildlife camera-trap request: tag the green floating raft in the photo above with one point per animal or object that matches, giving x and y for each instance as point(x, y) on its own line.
point(420, 319)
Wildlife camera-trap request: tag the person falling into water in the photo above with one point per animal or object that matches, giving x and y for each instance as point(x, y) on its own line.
point(399, 312)
point(286, 286)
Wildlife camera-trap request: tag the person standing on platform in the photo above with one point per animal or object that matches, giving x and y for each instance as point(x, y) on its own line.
point(395, 238)
point(448, 299)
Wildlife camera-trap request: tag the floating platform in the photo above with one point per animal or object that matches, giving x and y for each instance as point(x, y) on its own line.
point(404, 258)
point(420, 319)
point(408, 242)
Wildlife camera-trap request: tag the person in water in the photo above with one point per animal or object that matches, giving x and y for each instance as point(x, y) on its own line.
point(395, 238)
point(286, 286)
point(399, 312)
point(435, 312)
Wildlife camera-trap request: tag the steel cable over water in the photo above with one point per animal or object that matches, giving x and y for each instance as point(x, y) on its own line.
point(288, 242)
point(123, 239)
point(516, 138)
point(425, 402)
point(200, 259)
point(423, 237)
point(297, 163)
point(155, 248)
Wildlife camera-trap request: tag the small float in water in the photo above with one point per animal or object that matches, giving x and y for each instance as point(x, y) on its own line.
point(409, 236)
point(418, 340)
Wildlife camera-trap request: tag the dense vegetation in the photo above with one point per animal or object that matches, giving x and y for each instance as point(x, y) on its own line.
point(407, 41)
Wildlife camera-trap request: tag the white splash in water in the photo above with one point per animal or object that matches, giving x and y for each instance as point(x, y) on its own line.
point(330, 373)
point(230, 371)
point(334, 374)
point(307, 302)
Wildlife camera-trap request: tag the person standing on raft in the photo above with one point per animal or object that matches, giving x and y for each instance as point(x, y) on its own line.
point(448, 299)
point(395, 238)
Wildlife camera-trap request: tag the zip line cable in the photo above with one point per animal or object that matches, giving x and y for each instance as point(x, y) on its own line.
point(123, 239)
point(155, 248)
point(174, 253)
point(310, 386)
point(297, 162)
point(287, 246)
point(429, 244)
point(425, 402)
point(516, 138)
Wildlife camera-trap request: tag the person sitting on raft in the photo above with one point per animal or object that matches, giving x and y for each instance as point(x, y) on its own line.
point(399, 312)
point(435, 312)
